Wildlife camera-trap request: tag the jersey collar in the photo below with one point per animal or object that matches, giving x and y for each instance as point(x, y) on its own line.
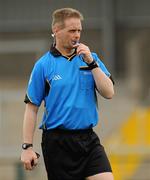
point(56, 53)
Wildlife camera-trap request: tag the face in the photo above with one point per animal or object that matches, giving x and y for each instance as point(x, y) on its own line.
point(67, 36)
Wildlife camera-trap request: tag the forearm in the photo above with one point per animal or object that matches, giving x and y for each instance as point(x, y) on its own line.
point(103, 83)
point(29, 124)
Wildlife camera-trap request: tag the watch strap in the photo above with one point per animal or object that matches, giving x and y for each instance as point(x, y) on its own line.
point(26, 145)
point(92, 65)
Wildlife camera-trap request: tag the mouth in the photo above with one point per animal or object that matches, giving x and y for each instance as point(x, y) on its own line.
point(74, 43)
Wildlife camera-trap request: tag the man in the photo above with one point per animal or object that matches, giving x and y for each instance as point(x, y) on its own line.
point(65, 78)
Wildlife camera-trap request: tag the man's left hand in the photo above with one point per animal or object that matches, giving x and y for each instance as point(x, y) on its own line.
point(85, 51)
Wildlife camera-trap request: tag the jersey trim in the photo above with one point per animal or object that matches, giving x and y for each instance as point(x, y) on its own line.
point(111, 78)
point(56, 53)
point(27, 99)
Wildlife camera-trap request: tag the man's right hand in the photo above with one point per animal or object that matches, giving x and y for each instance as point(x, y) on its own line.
point(29, 158)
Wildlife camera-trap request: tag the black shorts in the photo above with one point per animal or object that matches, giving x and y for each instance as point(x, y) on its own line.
point(73, 155)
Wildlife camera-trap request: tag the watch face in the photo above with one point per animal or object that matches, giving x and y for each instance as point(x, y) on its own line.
point(26, 146)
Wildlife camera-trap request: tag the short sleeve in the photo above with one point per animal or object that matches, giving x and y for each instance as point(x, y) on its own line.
point(36, 85)
point(101, 64)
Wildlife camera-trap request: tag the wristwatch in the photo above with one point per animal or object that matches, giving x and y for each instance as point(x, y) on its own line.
point(92, 65)
point(26, 146)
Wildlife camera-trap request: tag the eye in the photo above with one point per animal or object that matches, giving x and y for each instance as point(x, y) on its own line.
point(72, 31)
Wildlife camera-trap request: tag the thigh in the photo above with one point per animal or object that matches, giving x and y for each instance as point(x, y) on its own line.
point(63, 157)
point(98, 163)
point(49, 149)
point(101, 176)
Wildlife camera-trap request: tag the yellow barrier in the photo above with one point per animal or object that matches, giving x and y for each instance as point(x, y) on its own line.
point(130, 144)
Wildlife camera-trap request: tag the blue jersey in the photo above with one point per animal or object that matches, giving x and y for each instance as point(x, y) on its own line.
point(68, 89)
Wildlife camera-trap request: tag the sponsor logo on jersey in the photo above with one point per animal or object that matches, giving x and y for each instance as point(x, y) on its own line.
point(57, 77)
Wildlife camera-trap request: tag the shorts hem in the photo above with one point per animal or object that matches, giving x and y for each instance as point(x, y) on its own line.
point(94, 172)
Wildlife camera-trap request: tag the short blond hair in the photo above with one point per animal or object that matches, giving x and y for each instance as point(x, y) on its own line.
point(60, 15)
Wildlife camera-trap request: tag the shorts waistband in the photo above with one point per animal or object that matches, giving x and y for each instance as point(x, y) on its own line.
point(68, 131)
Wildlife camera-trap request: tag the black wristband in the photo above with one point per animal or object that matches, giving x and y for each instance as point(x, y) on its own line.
point(26, 146)
point(92, 65)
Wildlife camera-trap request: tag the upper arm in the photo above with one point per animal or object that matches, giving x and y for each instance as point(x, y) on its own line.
point(36, 86)
point(32, 107)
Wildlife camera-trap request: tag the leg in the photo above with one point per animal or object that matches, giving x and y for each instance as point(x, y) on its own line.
point(98, 167)
point(63, 155)
point(101, 176)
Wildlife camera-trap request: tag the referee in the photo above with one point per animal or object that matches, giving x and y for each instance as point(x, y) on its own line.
point(66, 79)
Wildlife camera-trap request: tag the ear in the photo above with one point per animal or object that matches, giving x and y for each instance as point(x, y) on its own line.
point(55, 29)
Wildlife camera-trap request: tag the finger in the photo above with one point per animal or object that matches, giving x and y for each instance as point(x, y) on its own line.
point(76, 45)
point(35, 162)
point(27, 165)
point(82, 51)
point(79, 46)
point(79, 49)
point(82, 48)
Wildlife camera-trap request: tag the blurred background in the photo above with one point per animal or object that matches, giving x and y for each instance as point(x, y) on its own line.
point(119, 32)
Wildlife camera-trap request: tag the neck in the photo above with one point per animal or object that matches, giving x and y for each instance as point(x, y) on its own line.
point(65, 51)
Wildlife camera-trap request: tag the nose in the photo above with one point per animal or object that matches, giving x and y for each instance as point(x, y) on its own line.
point(77, 34)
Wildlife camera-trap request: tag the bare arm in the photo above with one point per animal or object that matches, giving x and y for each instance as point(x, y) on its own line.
point(103, 83)
point(30, 117)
